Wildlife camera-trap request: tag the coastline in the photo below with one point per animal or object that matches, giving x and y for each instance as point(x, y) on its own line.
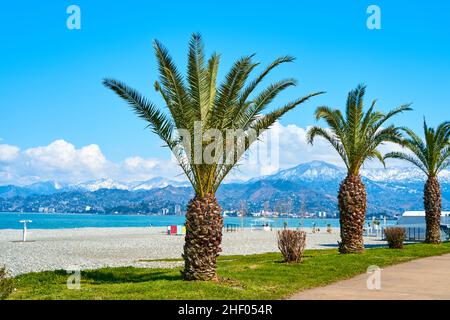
point(71, 221)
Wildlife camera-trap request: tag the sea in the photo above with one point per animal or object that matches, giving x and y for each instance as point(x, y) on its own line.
point(66, 221)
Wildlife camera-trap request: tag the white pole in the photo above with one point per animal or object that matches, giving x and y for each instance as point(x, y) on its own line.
point(25, 232)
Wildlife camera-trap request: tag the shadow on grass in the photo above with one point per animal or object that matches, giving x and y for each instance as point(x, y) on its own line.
point(366, 246)
point(104, 276)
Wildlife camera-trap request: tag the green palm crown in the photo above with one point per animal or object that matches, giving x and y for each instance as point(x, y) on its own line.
point(357, 136)
point(430, 155)
point(198, 100)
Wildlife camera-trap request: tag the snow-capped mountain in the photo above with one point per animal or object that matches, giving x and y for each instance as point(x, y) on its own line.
point(39, 188)
point(394, 174)
point(317, 171)
point(401, 174)
point(46, 187)
point(156, 183)
point(100, 184)
point(312, 186)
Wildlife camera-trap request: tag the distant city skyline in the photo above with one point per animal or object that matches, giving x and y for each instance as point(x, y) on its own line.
point(57, 122)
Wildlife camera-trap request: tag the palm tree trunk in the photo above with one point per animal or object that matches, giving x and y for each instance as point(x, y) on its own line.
point(352, 208)
point(204, 225)
point(433, 208)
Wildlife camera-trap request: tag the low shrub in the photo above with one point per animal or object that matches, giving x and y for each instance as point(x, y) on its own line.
point(292, 244)
point(6, 284)
point(395, 237)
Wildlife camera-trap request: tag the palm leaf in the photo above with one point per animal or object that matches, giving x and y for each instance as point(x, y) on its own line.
point(158, 121)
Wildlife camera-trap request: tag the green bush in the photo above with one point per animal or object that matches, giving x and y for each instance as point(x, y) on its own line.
point(6, 284)
point(292, 245)
point(395, 237)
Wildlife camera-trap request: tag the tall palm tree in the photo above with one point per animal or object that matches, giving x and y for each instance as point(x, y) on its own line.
point(199, 110)
point(356, 138)
point(431, 156)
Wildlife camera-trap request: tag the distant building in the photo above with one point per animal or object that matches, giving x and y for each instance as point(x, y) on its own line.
point(230, 213)
point(322, 215)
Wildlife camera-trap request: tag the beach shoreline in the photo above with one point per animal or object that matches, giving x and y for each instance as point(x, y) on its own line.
point(92, 248)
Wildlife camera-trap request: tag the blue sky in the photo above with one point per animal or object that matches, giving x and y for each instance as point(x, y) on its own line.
point(50, 79)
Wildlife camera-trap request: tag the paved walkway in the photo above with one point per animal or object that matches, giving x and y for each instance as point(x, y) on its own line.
point(423, 279)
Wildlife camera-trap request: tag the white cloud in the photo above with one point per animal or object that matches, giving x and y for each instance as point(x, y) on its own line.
point(61, 161)
point(8, 153)
point(62, 156)
point(140, 169)
point(280, 148)
point(284, 147)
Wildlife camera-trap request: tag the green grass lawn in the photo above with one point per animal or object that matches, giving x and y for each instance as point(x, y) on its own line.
point(262, 276)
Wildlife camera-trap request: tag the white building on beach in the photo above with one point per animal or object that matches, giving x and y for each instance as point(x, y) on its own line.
point(414, 223)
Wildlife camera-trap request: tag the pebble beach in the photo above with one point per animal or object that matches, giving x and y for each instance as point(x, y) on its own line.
point(92, 248)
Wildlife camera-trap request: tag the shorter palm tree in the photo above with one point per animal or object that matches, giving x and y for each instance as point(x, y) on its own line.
point(431, 156)
point(356, 139)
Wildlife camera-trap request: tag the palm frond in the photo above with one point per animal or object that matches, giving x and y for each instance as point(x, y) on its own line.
point(332, 139)
point(377, 155)
point(228, 93)
point(197, 76)
point(444, 157)
point(213, 67)
point(333, 118)
point(252, 86)
point(391, 114)
point(408, 158)
point(266, 121)
point(173, 88)
point(158, 122)
point(246, 114)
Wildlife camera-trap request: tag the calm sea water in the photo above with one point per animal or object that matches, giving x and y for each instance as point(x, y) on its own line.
point(64, 221)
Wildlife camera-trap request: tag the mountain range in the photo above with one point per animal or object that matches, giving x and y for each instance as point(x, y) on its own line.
point(309, 187)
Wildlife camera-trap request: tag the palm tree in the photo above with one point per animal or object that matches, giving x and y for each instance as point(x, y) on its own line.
point(200, 115)
point(356, 138)
point(431, 156)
